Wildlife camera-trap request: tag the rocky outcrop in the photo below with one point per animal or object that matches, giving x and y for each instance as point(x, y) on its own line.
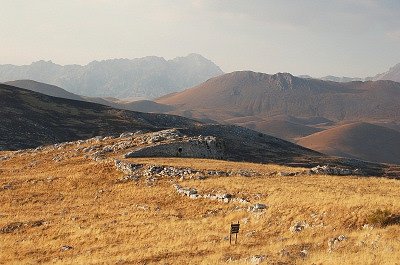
point(171, 143)
point(195, 147)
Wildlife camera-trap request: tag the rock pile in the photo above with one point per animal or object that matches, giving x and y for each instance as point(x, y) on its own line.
point(298, 227)
point(258, 207)
point(127, 168)
point(257, 259)
point(174, 172)
point(193, 194)
point(327, 170)
point(333, 242)
point(321, 170)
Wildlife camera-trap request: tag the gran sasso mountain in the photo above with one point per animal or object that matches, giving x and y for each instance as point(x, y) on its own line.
point(144, 78)
point(392, 74)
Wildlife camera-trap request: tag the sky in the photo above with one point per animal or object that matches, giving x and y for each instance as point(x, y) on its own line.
point(355, 38)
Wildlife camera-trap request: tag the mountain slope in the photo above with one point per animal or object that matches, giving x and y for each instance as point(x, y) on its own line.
point(147, 77)
point(392, 74)
point(55, 91)
point(357, 140)
point(241, 94)
point(43, 88)
point(30, 119)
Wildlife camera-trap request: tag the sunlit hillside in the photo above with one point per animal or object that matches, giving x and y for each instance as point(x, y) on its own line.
point(66, 204)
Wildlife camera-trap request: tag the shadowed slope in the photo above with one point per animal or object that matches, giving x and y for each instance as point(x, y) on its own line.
point(362, 140)
point(55, 91)
point(29, 119)
point(43, 88)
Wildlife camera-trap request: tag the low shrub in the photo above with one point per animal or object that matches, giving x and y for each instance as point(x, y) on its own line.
point(383, 218)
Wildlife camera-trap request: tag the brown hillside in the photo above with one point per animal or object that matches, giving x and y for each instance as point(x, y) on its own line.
point(248, 94)
point(362, 140)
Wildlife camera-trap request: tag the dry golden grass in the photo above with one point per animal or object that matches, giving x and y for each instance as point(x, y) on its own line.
point(107, 222)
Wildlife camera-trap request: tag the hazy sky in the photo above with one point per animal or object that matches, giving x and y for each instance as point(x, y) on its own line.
point(316, 37)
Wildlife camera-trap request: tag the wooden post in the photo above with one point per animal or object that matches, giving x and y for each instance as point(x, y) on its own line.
point(234, 230)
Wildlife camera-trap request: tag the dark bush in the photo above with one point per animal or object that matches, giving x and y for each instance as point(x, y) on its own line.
point(383, 218)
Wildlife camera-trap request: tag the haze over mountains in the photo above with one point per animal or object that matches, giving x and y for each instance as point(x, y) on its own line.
point(392, 74)
point(311, 112)
point(147, 77)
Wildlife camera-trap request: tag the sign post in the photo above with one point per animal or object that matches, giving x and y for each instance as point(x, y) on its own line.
point(234, 230)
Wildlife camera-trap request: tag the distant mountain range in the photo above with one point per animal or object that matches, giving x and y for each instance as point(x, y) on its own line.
point(143, 78)
point(392, 74)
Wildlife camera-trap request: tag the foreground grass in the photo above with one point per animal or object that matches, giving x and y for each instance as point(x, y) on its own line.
point(105, 222)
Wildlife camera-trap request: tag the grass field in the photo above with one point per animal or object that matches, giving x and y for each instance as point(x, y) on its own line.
point(49, 203)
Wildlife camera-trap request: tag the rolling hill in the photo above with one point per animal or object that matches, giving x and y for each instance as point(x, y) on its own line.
point(357, 140)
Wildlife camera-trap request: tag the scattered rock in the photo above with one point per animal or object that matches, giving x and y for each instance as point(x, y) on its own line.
point(127, 168)
point(37, 223)
point(126, 134)
point(193, 194)
point(333, 242)
point(257, 259)
point(287, 174)
point(258, 207)
point(8, 186)
point(10, 228)
point(304, 253)
point(299, 226)
point(66, 247)
point(129, 178)
point(327, 170)
point(246, 173)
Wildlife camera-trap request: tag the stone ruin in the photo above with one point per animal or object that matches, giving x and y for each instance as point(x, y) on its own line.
point(171, 143)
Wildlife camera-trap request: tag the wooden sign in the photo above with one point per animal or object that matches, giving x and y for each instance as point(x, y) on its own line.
point(234, 230)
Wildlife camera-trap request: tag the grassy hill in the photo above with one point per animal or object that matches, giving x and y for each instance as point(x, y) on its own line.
point(59, 205)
